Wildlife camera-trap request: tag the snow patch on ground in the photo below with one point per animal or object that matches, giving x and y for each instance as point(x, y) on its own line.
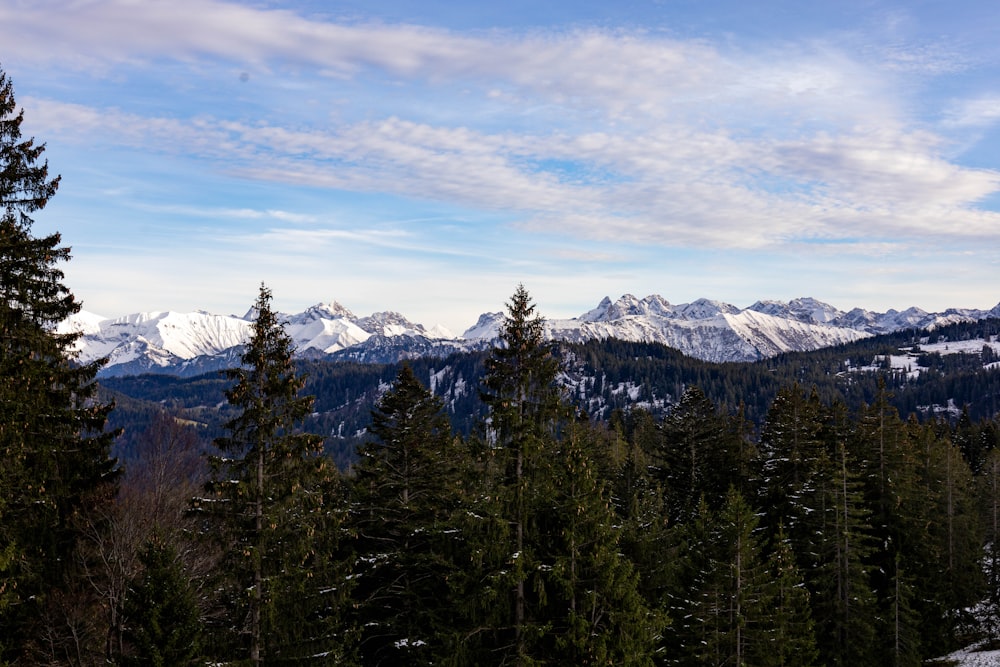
point(970, 657)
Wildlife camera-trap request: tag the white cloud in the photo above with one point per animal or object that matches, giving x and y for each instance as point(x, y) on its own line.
point(979, 112)
point(674, 185)
point(625, 138)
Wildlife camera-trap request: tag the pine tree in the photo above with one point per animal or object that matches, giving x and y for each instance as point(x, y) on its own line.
point(54, 457)
point(641, 509)
point(948, 568)
point(725, 606)
point(900, 620)
point(798, 472)
point(407, 487)
point(844, 605)
point(275, 495)
point(887, 463)
point(988, 493)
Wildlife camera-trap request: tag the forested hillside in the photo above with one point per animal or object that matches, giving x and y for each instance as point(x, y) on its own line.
point(669, 532)
point(604, 376)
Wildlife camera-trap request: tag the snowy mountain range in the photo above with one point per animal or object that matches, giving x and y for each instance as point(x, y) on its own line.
point(185, 343)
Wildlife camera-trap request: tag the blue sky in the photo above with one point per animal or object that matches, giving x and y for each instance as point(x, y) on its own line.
point(427, 157)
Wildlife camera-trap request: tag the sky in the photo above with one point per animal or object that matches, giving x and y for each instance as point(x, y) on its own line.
point(427, 157)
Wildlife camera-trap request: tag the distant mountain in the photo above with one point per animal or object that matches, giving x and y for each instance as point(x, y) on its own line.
point(185, 343)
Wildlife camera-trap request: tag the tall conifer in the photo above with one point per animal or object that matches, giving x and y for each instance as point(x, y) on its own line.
point(54, 457)
point(525, 407)
point(276, 497)
point(407, 487)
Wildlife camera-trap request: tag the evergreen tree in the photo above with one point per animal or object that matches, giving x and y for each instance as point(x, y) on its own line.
point(700, 454)
point(525, 407)
point(641, 508)
point(692, 561)
point(408, 485)
point(163, 627)
point(54, 458)
point(844, 605)
point(725, 607)
point(949, 567)
point(596, 614)
point(787, 636)
point(795, 464)
point(988, 493)
point(275, 495)
point(887, 465)
point(900, 620)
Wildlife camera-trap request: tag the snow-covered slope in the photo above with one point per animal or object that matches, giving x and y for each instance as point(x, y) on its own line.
point(167, 336)
point(162, 340)
point(706, 329)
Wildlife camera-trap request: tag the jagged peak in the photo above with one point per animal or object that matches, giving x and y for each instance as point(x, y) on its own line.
point(803, 309)
point(598, 314)
point(390, 323)
point(707, 308)
point(327, 311)
point(705, 328)
point(487, 326)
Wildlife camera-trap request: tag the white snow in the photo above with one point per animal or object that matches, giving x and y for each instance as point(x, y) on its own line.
point(705, 329)
point(970, 657)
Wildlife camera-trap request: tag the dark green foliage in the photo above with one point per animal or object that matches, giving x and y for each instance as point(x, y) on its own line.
point(555, 586)
point(162, 623)
point(54, 456)
point(699, 453)
point(518, 530)
point(408, 484)
point(598, 616)
point(525, 408)
point(844, 605)
point(787, 635)
point(948, 569)
point(600, 370)
point(275, 498)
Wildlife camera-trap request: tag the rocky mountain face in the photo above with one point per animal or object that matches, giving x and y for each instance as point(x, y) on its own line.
point(189, 343)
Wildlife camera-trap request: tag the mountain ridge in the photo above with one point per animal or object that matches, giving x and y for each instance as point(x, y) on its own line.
point(167, 342)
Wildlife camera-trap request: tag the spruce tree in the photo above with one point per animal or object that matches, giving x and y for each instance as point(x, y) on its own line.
point(949, 569)
point(408, 484)
point(641, 508)
point(787, 635)
point(525, 408)
point(795, 462)
point(54, 456)
point(700, 453)
point(162, 624)
point(723, 605)
point(276, 498)
point(596, 615)
point(844, 605)
point(887, 464)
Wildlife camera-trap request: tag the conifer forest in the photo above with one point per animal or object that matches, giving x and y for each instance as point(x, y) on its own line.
point(816, 533)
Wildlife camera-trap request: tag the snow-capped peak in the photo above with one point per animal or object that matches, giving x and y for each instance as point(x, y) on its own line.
point(486, 328)
point(323, 311)
point(707, 329)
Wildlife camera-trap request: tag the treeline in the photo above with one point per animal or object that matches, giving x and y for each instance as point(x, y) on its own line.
point(600, 377)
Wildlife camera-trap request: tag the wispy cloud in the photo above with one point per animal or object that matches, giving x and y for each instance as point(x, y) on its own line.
point(979, 112)
point(671, 186)
point(621, 137)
